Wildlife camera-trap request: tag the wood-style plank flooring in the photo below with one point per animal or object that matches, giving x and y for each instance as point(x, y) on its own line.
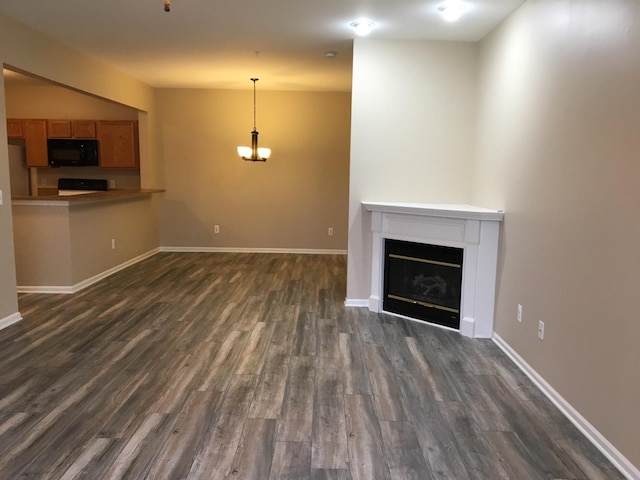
point(228, 365)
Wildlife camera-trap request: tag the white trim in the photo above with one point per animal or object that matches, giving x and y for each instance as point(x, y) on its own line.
point(356, 302)
point(465, 212)
point(45, 289)
point(299, 251)
point(89, 281)
point(581, 423)
point(10, 320)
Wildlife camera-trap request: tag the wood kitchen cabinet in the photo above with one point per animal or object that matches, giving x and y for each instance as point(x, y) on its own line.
point(35, 142)
point(59, 128)
point(83, 128)
point(15, 128)
point(118, 143)
point(71, 128)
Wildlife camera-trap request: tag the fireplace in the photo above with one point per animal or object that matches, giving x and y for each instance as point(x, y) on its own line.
point(423, 281)
point(472, 230)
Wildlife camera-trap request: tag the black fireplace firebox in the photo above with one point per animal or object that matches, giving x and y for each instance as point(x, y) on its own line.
point(423, 281)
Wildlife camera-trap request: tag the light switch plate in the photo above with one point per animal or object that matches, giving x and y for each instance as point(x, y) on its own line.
point(0, 197)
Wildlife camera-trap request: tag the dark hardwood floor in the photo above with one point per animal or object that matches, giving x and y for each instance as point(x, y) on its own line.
point(213, 366)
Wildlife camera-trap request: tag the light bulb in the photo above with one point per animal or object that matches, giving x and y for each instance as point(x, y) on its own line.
point(264, 152)
point(452, 10)
point(362, 27)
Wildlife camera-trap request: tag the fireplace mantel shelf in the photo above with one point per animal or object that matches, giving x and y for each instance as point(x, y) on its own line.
point(465, 212)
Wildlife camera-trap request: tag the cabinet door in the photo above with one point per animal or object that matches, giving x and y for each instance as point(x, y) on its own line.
point(59, 128)
point(83, 128)
point(118, 141)
point(35, 141)
point(14, 128)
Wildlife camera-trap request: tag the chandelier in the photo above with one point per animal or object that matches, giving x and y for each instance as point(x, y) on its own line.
point(253, 153)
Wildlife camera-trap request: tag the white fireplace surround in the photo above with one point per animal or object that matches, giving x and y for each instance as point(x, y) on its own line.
point(473, 229)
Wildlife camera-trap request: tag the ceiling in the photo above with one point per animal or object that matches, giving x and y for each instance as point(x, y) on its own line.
point(222, 43)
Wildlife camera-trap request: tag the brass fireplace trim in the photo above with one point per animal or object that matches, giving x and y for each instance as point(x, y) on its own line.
point(424, 260)
point(424, 304)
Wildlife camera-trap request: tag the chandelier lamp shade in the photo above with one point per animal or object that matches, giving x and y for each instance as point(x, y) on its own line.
point(254, 153)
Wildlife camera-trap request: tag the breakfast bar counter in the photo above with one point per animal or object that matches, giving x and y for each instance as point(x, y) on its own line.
point(82, 198)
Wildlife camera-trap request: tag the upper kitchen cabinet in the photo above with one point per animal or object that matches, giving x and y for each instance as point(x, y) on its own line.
point(35, 142)
point(118, 141)
point(15, 128)
point(71, 128)
point(83, 128)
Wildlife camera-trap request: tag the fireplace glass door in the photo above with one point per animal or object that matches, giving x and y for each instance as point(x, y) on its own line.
point(423, 281)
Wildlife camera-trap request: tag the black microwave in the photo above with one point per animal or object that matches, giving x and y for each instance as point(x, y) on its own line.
point(72, 152)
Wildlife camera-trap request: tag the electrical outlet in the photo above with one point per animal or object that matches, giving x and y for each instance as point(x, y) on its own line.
point(216, 229)
point(330, 232)
point(541, 330)
point(113, 244)
point(0, 197)
point(112, 184)
point(519, 315)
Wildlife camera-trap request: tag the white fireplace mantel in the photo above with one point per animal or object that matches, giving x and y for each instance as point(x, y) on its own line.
point(473, 229)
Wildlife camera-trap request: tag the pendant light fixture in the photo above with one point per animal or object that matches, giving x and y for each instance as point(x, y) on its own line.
point(253, 153)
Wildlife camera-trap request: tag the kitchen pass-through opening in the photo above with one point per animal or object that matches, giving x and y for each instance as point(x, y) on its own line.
point(423, 281)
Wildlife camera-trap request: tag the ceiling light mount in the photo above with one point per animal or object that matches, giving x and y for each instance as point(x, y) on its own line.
point(362, 27)
point(253, 153)
point(167, 5)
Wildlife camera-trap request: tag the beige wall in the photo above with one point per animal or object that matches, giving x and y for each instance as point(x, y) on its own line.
point(131, 223)
point(53, 101)
point(42, 246)
point(27, 50)
point(413, 133)
point(289, 202)
point(558, 149)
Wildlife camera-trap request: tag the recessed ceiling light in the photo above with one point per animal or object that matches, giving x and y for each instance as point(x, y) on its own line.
point(452, 10)
point(362, 27)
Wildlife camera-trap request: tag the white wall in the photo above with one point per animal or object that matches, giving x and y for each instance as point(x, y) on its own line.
point(412, 133)
point(558, 146)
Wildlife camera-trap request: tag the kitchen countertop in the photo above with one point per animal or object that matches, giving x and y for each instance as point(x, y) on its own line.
point(82, 199)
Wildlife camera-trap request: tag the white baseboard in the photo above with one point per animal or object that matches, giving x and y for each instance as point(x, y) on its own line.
point(89, 281)
point(10, 320)
point(44, 289)
point(299, 251)
point(581, 423)
point(356, 302)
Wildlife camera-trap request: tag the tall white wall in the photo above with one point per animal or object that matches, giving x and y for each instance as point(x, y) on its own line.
point(558, 146)
point(412, 133)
